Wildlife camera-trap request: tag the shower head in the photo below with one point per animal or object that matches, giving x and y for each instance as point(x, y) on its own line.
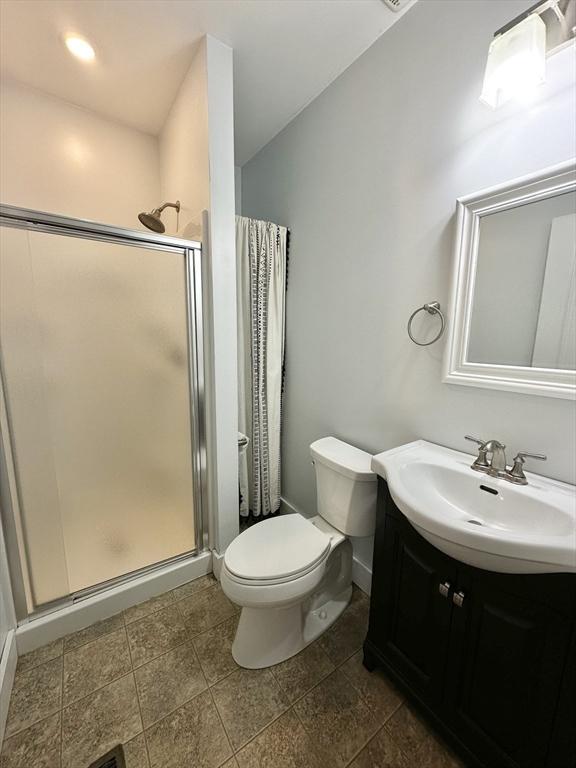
point(153, 219)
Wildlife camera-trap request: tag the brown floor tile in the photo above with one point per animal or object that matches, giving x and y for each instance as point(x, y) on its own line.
point(192, 587)
point(190, 736)
point(359, 598)
point(214, 649)
point(283, 744)
point(336, 714)
point(247, 701)
point(336, 717)
point(40, 656)
point(92, 726)
point(382, 752)
point(36, 694)
point(434, 754)
point(205, 609)
point(95, 664)
point(300, 673)
point(167, 682)
point(348, 632)
point(36, 747)
point(376, 690)
point(409, 731)
point(135, 753)
point(142, 610)
point(92, 632)
point(155, 634)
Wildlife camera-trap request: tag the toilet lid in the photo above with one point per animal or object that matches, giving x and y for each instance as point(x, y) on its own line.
point(276, 548)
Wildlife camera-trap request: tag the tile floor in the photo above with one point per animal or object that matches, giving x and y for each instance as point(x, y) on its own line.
point(160, 678)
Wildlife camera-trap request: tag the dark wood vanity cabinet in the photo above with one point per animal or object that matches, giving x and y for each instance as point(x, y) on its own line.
point(490, 658)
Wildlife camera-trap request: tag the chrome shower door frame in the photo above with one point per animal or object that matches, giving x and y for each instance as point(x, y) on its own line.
point(38, 221)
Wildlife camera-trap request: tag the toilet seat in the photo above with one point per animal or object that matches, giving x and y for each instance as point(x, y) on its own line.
point(277, 550)
point(293, 579)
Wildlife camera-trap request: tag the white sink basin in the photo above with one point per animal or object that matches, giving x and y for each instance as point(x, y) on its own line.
point(478, 519)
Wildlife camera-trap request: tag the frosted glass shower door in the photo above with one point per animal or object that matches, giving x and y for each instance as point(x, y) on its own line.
point(95, 360)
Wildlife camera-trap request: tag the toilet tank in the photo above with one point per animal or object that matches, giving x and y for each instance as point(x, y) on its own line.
point(345, 486)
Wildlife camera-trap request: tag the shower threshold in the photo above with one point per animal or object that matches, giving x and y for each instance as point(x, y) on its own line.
point(106, 600)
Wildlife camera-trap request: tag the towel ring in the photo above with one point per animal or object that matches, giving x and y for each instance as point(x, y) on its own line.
point(433, 308)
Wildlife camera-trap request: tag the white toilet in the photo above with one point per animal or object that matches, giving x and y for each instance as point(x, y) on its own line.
point(293, 575)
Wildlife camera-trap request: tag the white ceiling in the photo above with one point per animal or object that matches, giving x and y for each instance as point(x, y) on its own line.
point(285, 53)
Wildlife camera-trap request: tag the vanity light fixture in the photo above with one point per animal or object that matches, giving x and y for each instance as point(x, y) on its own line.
point(517, 55)
point(80, 48)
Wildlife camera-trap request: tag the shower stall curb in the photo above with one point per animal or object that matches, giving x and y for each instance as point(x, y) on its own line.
point(8, 662)
point(36, 632)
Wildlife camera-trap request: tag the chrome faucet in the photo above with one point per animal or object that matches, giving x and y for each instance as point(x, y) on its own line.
point(498, 458)
point(497, 466)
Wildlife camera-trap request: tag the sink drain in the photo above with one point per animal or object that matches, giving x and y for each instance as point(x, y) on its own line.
point(474, 522)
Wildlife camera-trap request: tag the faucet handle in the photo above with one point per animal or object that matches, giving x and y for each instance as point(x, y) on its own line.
point(521, 455)
point(516, 474)
point(481, 463)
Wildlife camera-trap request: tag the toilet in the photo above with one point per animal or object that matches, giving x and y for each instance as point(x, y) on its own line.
point(292, 575)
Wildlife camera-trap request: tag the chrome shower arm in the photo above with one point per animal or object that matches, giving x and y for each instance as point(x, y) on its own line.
point(175, 205)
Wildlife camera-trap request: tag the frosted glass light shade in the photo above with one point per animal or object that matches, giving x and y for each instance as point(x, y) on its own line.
point(516, 62)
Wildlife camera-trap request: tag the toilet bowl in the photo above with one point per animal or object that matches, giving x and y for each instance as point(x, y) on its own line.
point(292, 575)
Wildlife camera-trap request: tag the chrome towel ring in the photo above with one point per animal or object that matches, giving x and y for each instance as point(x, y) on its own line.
point(433, 308)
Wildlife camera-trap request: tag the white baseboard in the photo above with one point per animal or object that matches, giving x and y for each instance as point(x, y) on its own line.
point(43, 629)
point(288, 509)
point(362, 576)
point(7, 672)
point(217, 560)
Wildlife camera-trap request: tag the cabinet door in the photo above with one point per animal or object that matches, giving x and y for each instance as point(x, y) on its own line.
point(409, 617)
point(563, 747)
point(507, 656)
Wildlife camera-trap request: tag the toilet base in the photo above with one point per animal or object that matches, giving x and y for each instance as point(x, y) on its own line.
point(267, 636)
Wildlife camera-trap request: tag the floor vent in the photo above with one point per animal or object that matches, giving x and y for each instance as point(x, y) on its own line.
point(112, 759)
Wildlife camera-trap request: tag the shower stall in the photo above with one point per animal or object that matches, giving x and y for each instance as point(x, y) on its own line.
point(102, 456)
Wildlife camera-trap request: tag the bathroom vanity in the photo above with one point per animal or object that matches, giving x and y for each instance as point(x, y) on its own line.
point(489, 657)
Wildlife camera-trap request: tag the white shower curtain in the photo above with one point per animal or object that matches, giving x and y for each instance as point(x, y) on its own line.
point(261, 278)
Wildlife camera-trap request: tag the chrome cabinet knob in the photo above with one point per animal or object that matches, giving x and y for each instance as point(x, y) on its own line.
point(444, 589)
point(458, 599)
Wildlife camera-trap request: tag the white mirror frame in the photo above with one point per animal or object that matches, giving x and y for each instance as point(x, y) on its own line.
point(549, 382)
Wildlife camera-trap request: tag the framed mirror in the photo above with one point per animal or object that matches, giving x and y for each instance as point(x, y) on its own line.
point(512, 324)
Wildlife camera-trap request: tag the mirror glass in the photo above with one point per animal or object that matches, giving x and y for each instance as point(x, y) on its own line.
point(523, 309)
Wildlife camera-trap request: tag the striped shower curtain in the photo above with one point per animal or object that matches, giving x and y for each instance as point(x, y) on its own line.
point(261, 278)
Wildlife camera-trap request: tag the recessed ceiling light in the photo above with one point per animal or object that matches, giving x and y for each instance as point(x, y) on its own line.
point(80, 48)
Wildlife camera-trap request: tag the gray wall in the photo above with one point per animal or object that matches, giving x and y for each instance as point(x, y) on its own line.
point(366, 178)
